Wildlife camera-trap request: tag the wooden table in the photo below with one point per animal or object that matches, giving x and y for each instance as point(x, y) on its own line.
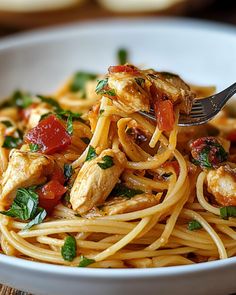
point(223, 11)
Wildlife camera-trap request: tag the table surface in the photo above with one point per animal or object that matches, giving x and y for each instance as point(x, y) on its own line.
point(223, 11)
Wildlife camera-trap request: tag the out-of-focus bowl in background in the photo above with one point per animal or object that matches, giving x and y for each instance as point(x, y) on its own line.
point(33, 13)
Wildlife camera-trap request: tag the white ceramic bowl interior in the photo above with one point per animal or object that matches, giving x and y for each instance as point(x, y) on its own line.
point(202, 53)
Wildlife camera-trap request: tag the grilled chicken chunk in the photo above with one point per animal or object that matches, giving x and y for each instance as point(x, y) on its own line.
point(221, 183)
point(93, 184)
point(138, 202)
point(24, 169)
point(171, 86)
point(132, 91)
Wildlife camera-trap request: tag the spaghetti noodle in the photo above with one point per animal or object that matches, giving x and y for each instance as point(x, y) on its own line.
point(88, 181)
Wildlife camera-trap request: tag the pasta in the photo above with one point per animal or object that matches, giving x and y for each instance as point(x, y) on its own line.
point(87, 181)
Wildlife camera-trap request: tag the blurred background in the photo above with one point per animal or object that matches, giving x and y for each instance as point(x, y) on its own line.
point(20, 15)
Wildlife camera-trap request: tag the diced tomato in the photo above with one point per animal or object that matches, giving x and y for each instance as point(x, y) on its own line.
point(50, 195)
point(50, 135)
point(174, 165)
point(232, 136)
point(122, 69)
point(58, 175)
point(165, 116)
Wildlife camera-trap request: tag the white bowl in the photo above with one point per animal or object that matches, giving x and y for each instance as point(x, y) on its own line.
point(202, 53)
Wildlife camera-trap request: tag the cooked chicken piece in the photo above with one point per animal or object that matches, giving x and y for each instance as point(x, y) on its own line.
point(221, 183)
point(24, 169)
point(121, 205)
point(36, 113)
point(132, 92)
point(171, 86)
point(93, 184)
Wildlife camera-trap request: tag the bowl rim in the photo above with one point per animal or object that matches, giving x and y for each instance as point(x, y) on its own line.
point(67, 31)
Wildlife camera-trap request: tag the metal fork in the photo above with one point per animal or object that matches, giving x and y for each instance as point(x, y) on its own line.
point(203, 109)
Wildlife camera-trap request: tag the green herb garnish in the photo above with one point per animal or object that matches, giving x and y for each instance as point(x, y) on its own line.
point(107, 162)
point(51, 101)
point(79, 82)
point(6, 123)
point(91, 153)
point(34, 147)
point(84, 261)
point(122, 190)
point(194, 225)
point(68, 250)
point(69, 124)
point(101, 85)
point(101, 112)
point(140, 81)
point(21, 99)
point(228, 211)
point(68, 171)
point(122, 55)
point(25, 207)
point(39, 217)
point(13, 141)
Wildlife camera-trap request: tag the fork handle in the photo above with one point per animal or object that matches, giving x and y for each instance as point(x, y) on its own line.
point(222, 97)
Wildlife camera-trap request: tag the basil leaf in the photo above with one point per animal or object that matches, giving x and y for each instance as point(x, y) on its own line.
point(69, 124)
point(86, 140)
point(84, 261)
point(79, 82)
point(34, 147)
point(45, 116)
point(228, 211)
point(24, 205)
point(107, 162)
point(101, 85)
point(91, 153)
point(51, 101)
point(68, 171)
point(122, 190)
point(68, 250)
point(122, 55)
point(194, 224)
point(6, 123)
point(40, 216)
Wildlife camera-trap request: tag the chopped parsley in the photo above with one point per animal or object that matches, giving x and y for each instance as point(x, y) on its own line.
point(101, 85)
point(34, 147)
point(101, 112)
point(84, 261)
point(69, 124)
point(68, 171)
point(122, 55)
point(91, 153)
point(107, 162)
point(13, 141)
point(25, 207)
point(140, 81)
point(86, 140)
point(51, 101)
point(79, 82)
point(122, 190)
point(68, 250)
point(21, 99)
point(194, 225)
point(207, 152)
point(6, 123)
point(228, 211)
point(102, 88)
